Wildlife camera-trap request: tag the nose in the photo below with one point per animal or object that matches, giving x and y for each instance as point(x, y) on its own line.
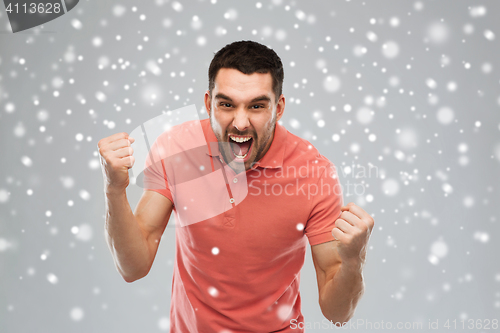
point(241, 121)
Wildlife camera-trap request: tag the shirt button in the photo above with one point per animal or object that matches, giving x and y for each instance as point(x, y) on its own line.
point(235, 180)
point(231, 200)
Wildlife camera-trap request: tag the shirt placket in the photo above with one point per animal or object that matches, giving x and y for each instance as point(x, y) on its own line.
point(229, 214)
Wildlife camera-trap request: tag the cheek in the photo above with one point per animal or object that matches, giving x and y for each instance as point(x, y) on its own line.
point(264, 130)
point(267, 125)
point(219, 124)
point(271, 116)
point(216, 127)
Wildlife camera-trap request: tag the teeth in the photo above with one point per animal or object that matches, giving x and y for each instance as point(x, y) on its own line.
point(240, 156)
point(239, 139)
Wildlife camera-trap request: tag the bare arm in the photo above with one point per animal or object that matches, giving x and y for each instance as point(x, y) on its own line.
point(340, 285)
point(339, 264)
point(132, 239)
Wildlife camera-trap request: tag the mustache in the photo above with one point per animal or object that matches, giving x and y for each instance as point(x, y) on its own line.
point(253, 135)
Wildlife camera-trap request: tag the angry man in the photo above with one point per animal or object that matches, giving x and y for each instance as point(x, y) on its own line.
point(239, 270)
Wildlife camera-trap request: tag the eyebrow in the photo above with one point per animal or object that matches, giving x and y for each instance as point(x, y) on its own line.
point(262, 98)
point(222, 96)
point(256, 99)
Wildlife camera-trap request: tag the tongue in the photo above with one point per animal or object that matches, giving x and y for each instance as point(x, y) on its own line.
point(241, 148)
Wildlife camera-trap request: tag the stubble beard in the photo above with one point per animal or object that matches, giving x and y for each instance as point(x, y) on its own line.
point(226, 150)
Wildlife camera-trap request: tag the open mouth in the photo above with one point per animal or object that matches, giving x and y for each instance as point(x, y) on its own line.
point(240, 145)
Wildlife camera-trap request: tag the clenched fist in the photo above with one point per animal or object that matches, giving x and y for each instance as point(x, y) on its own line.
point(116, 158)
point(353, 229)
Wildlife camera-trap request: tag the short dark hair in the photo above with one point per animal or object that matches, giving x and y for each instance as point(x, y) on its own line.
point(248, 57)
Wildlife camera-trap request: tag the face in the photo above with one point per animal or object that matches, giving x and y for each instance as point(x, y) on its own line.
point(243, 111)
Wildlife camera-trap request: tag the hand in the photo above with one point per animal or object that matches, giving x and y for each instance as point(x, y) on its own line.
point(116, 158)
point(352, 230)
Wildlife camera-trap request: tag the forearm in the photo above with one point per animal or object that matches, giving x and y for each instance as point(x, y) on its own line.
point(340, 295)
point(125, 238)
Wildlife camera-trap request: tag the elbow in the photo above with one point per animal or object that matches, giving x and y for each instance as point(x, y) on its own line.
point(338, 320)
point(341, 315)
point(129, 278)
point(133, 274)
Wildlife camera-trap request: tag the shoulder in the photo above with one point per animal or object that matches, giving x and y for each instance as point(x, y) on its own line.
point(180, 138)
point(300, 152)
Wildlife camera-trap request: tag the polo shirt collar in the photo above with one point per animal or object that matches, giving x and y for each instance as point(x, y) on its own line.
point(272, 159)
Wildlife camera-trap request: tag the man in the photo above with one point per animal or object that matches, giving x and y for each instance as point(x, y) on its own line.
point(238, 271)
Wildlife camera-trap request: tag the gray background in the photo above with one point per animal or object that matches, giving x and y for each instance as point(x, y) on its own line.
point(427, 89)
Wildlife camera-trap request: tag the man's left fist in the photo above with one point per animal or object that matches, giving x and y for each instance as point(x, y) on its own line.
point(352, 230)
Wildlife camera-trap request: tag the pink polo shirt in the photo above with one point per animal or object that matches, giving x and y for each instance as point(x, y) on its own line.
point(241, 238)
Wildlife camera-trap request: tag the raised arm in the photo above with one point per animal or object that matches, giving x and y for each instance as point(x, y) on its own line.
point(339, 264)
point(132, 238)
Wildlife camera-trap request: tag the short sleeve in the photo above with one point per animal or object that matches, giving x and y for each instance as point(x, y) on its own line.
point(155, 175)
point(325, 207)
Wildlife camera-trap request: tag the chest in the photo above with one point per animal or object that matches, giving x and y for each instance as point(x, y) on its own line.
point(266, 220)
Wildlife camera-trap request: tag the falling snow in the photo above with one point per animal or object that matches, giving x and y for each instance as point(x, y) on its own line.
point(76, 314)
point(402, 99)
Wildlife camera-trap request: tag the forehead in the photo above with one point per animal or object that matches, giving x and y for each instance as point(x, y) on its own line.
point(233, 83)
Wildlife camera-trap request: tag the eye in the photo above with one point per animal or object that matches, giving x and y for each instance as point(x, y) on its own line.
point(258, 106)
point(225, 104)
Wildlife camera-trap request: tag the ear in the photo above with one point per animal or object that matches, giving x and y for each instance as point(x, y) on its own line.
point(208, 101)
point(280, 108)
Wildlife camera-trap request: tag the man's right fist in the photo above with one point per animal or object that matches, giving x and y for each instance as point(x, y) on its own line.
point(116, 158)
